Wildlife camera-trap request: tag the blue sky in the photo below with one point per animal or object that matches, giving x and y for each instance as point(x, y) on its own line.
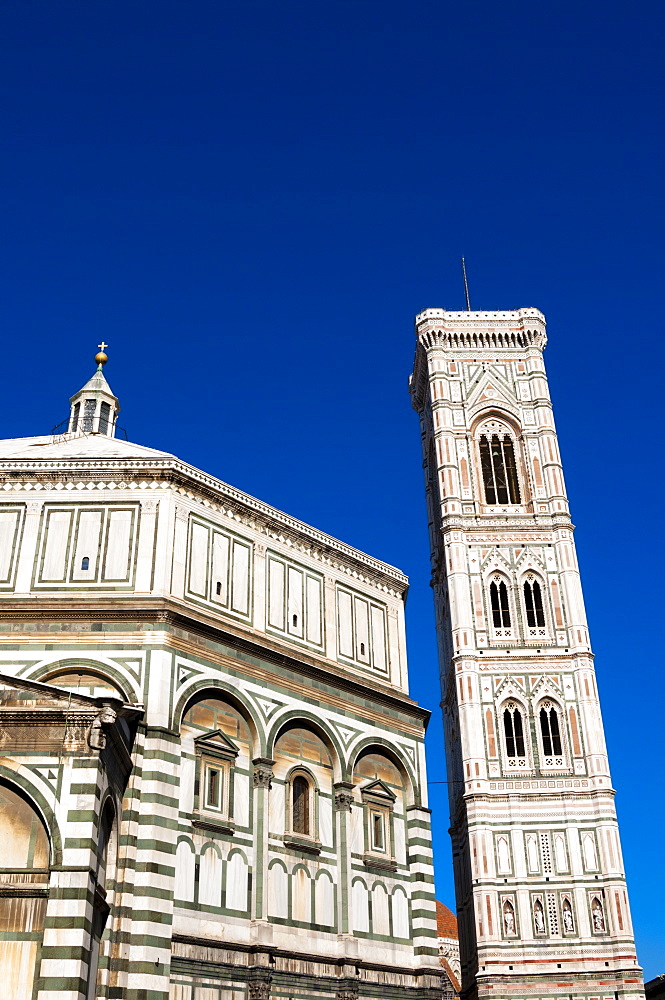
point(250, 201)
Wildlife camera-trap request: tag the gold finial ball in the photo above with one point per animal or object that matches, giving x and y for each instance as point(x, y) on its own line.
point(101, 358)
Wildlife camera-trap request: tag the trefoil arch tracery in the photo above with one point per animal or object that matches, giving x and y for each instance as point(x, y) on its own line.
point(514, 737)
point(499, 461)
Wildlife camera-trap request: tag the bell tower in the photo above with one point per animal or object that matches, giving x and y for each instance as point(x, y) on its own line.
point(540, 884)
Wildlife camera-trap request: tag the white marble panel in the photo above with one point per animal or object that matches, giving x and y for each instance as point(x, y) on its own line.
point(400, 907)
point(210, 878)
point(301, 888)
point(118, 533)
point(400, 840)
point(276, 808)
point(360, 907)
point(184, 872)
point(87, 544)
point(344, 624)
point(186, 796)
point(278, 892)
point(325, 821)
point(198, 560)
point(378, 638)
point(276, 594)
point(241, 799)
point(361, 610)
point(357, 834)
point(236, 882)
point(8, 523)
point(58, 523)
point(220, 568)
point(324, 904)
point(294, 611)
point(18, 963)
point(313, 610)
point(503, 856)
point(240, 592)
point(180, 991)
point(560, 853)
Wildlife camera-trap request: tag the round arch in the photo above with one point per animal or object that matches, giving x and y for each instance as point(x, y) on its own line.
point(105, 671)
point(23, 786)
point(215, 688)
point(210, 845)
point(237, 850)
point(290, 720)
point(301, 769)
point(381, 745)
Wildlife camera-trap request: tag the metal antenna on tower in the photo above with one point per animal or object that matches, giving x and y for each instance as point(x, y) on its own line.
point(466, 287)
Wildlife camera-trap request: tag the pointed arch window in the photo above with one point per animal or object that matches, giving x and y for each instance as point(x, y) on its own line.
point(500, 605)
point(513, 728)
point(499, 470)
point(550, 730)
point(533, 602)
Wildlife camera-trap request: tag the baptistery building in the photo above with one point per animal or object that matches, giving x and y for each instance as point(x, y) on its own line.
point(212, 776)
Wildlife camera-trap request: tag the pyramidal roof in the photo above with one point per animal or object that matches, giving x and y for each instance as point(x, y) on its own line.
point(97, 383)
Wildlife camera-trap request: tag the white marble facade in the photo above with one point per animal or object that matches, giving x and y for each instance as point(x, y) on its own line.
point(272, 818)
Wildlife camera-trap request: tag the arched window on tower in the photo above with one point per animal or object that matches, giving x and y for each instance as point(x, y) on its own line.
point(497, 462)
point(533, 602)
point(550, 731)
point(500, 605)
point(513, 728)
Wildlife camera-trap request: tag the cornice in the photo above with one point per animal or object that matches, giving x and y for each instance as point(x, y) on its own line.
point(305, 956)
point(58, 478)
point(481, 333)
point(165, 614)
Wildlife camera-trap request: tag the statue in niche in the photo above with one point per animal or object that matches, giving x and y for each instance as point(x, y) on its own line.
point(508, 918)
point(539, 917)
point(598, 916)
point(568, 922)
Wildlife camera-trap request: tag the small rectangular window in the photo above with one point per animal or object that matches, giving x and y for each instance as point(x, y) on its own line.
point(378, 832)
point(213, 787)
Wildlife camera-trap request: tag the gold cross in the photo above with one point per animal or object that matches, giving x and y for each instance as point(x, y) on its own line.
point(102, 346)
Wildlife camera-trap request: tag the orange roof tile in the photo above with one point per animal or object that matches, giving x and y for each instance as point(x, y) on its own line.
point(446, 922)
